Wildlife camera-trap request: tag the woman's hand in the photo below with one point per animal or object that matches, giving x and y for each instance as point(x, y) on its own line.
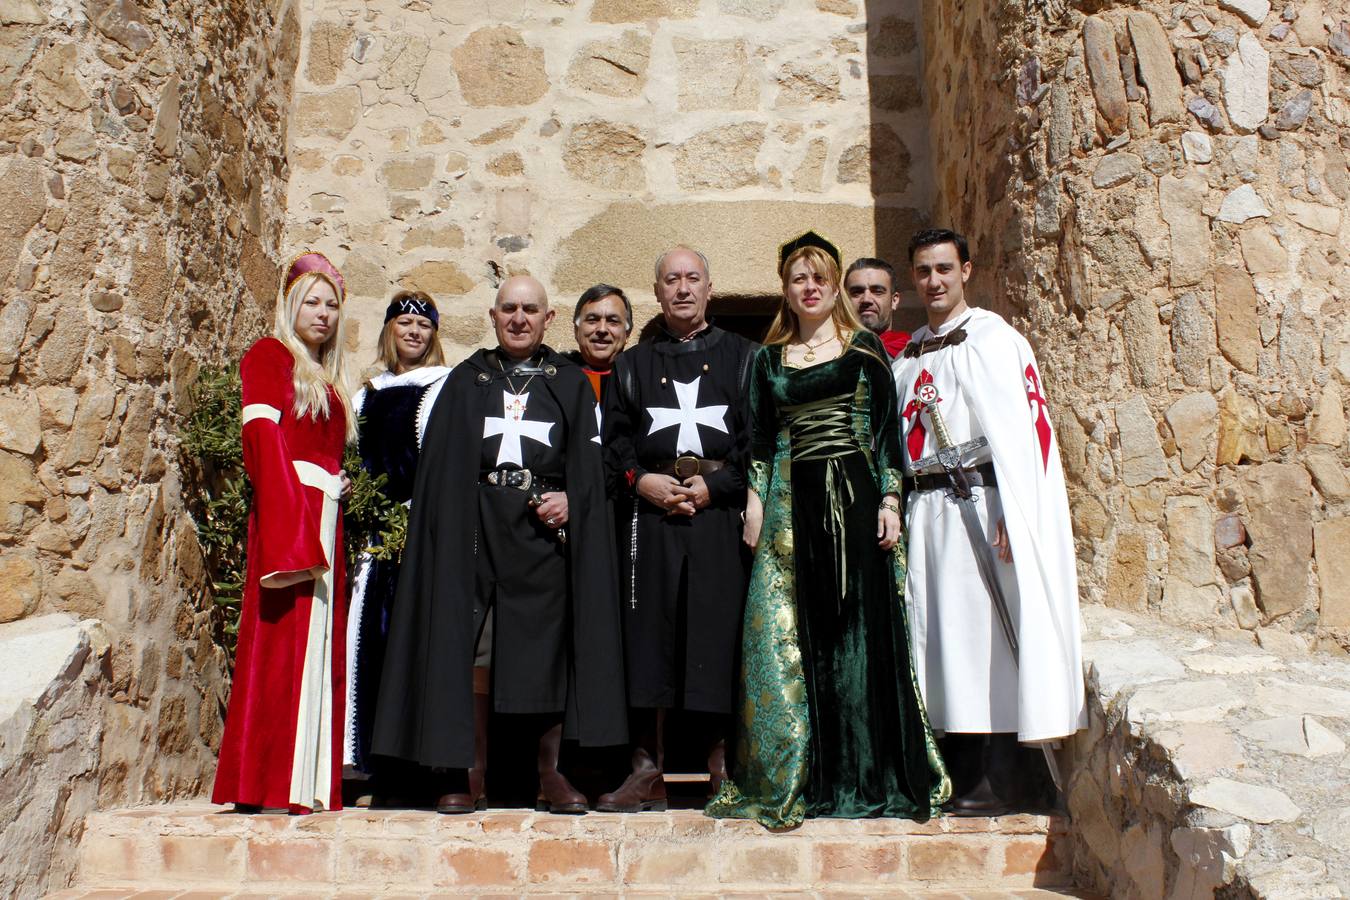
point(754, 519)
point(346, 483)
point(552, 511)
point(888, 522)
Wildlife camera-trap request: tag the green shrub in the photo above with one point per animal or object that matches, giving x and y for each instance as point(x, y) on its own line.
point(219, 495)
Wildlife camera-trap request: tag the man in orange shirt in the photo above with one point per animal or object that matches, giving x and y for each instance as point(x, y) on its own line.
point(603, 321)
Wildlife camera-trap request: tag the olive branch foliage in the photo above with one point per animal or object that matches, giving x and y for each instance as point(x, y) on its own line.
point(220, 495)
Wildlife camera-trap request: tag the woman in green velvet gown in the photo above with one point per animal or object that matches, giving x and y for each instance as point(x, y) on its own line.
point(832, 721)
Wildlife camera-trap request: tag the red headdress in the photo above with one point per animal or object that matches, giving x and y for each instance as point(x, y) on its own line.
point(314, 261)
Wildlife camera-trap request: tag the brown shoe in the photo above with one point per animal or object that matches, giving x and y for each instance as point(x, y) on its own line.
point(455, 804)
point(458, 798)
point(556, 794)
point(641, 791)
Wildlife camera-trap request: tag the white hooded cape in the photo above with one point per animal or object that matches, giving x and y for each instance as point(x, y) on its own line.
point(990, 385)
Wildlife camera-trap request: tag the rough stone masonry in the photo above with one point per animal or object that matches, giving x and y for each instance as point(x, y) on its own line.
point(142, 176)
point(1156, 192)
point(442, 145)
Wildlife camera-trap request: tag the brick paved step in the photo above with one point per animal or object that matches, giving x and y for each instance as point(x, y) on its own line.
point(200, 848)
point(219, 893)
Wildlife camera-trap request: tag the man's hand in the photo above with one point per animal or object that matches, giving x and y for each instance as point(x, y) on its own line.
point(667, 493)
point(698, 491)
point(552, 510)
point(1001, 545)
point(754, 519)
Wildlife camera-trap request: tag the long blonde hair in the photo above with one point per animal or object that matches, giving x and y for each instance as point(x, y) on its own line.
point(783, 329)
point(386, 351)
point(312, 379)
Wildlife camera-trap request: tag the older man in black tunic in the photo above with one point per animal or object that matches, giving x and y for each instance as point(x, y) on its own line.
point(510, 481)
point(677, 435)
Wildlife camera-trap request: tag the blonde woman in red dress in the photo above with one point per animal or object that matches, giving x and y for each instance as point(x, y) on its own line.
point(282, 747)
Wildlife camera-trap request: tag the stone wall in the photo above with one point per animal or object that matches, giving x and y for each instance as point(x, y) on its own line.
point(142, 169)
point(1208, 769)
point(1158, 189)
point(440, 145)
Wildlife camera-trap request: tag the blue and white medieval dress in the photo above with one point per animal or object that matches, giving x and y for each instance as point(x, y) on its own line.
point(393, 412)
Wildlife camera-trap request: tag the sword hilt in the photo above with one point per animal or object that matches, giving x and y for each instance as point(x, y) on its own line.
point(949, 455)
point(940, 433)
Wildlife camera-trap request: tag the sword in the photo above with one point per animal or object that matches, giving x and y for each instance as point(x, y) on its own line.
point(949, 457)
point(533, 501)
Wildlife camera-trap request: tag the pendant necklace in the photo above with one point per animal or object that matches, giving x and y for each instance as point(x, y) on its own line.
point(516, 407)
point(810, 355)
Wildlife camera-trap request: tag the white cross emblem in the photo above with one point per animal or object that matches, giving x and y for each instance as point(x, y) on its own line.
point(512, 426)
point(689, 416)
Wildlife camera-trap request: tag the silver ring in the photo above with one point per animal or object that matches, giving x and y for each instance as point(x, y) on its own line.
point(548, 521)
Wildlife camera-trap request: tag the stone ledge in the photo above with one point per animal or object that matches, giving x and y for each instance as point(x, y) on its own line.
point(50, 736)
point(1209, 764)
point(198, 845)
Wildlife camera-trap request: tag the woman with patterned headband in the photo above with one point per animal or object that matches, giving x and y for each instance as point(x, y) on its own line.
point(282, 747)
point(392, 408)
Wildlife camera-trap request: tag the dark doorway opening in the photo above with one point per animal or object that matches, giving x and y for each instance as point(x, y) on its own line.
point(748, 315)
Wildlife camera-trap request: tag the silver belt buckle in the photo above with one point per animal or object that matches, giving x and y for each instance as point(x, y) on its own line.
point(512, 478)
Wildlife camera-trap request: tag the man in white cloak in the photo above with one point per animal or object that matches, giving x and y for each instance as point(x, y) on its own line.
point(982, 696)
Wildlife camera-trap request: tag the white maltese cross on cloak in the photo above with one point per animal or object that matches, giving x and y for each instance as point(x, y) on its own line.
point(512, 426)
point(688, 416)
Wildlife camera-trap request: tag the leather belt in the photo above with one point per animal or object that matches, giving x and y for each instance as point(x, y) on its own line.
point(976, 476)
point(521, 480)
point(688, 466)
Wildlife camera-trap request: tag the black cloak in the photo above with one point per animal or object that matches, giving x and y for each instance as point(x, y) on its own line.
point(425, 711)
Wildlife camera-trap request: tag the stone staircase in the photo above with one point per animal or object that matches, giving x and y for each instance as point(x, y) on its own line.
point(198, 850)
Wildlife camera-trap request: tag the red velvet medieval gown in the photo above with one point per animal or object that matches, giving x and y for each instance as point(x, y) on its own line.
point(282, 746)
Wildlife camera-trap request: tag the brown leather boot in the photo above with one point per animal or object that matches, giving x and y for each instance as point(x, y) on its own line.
point(717, 767)
point(556, 794)
point(644, 789)
point(456, 800)
point(478, 774)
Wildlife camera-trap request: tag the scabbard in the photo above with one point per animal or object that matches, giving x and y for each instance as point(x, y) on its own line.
point(984, 561)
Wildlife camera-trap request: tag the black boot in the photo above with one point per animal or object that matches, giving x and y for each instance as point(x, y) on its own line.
point(994, 779)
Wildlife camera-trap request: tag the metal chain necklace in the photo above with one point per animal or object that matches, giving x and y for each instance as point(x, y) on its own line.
point(516, 408)
point(810, 355)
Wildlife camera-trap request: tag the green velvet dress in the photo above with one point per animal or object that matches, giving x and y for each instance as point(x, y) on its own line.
point(832, 721)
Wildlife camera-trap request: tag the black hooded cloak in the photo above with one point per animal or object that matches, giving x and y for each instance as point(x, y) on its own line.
point(425, 711)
